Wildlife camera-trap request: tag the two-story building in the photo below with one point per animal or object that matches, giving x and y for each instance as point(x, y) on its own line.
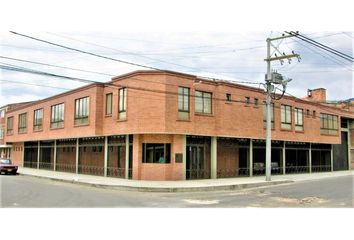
point(162, 125)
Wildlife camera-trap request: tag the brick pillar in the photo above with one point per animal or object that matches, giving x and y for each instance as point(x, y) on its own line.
point(137, 157)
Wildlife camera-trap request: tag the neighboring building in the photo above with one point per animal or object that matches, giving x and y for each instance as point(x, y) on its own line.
point(5, 150)
point(162, 125)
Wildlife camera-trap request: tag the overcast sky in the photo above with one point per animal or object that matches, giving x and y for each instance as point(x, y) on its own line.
point(237, 56)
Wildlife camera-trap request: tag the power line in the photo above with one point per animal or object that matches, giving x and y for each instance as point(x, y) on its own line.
point(113, 59)
point(334, 60)
point(51, 65)
point(32, 84)
point(322, 46)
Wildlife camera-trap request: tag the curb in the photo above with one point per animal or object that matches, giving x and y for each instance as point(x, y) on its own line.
point(168, 189)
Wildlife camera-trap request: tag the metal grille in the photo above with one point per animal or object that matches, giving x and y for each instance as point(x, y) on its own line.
point(197, 174)
point(116, 172)
point(229, 173)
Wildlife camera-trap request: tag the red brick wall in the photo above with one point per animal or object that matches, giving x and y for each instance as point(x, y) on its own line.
point(69, 130)
point(155, 171)
point(17, 153)
point(155, 111)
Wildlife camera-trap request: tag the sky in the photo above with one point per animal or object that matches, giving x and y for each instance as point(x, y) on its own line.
point(229, 55)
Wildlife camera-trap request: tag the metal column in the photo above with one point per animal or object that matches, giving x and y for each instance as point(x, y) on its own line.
point(251, 158)
point(310, 159)
point(77, 157)
point(38, 153)
point(105, 158)
point(55, 156)
point(184, 156)
point(349, 145)
point(127, 156)
point(213, 157)
point(331, 157)
point(284, 159)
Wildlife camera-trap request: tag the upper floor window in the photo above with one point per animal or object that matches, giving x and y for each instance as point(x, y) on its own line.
point(38, 119)
point(109, 97)
point(122, 106)
point(57, 116)
point(329, 124)
point(299, 119)
point(2, 113)
point(256, 101)
point(81, 110)
point(285, 115)
point(22, 123)
point(1, 133)
point(203, 103)
point(183, 99)
point(247, 100)
point(228, 97)
point(265, 115)
point(10, 126)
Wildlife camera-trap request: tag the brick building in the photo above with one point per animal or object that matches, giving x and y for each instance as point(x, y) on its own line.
point(162, 125)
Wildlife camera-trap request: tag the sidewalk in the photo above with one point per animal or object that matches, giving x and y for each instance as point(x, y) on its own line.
point(177, 186)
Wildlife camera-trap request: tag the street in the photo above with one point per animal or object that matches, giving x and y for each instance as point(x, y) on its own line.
point(27, 192)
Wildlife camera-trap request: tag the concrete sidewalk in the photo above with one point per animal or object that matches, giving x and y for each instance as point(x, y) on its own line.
point(177, 186)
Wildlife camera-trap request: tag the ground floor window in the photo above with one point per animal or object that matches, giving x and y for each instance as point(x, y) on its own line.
point(156, 152)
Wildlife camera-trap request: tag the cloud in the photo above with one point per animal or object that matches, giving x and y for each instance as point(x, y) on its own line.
point(226, 55)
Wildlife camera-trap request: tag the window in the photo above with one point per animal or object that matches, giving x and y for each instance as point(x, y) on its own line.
point(343, 123)
point(299, 119)
point(247, 100)
point(156, 153)
point(57, 116)
point(313, 113)
point(38, 119)
point(183, 103)
point(122, 106)
point(203, 102)
point(10, 126)
point(81, 111)
point(228, 97)
point(256, 101)
point(329, 124)
point(183, 99)
point(265, 115)
point(307, 113)
point(109, 103)
point(22, 123)
point(285, 116)
point(2, 113)
point(1, 133)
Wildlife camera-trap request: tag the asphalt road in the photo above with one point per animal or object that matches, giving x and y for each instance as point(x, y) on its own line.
point(27, 192)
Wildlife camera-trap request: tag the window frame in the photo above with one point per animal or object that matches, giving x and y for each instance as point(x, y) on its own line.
point(10, 131)
point(166, 153)
point(22, 123)
point(181, 99)
point(82, 110)
point(299, 125)
point(57, 115)
point(202, 98)
point(122, 101)
point(329, 124)
point(110, 106)
point(38, 125)
point(285, 114)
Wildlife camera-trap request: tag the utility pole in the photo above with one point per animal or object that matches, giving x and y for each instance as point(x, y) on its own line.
point(273, 78)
